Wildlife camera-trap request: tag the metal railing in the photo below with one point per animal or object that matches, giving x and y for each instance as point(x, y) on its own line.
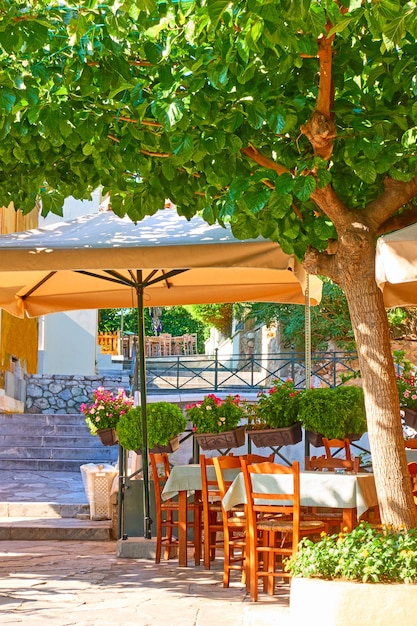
point(241, 372)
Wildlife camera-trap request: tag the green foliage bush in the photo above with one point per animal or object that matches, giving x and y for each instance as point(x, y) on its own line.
point(333, 412)
point(277, 408)
point(367, 554)
point(164, 419)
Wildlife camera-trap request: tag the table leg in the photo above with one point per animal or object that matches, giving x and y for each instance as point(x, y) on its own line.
point(182, 528)
point(350, 518)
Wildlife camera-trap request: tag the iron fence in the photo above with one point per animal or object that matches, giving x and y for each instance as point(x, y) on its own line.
point(242, 372)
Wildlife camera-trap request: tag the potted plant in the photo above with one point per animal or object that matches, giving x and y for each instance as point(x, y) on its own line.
point(370, 571)
point(103, 415)
point(273, 420)
point(407, 393)
point(334, 413)
point(216, 422)
point(165, 422)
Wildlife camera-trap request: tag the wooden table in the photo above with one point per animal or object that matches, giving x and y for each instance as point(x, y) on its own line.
point(183, 480)
point(354, 493)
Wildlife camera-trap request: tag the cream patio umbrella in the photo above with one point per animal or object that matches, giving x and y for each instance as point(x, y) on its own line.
point(396, 267)
point(101, 261)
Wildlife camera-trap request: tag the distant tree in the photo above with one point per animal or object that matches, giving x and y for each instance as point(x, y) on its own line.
point(219, 316)
point(175, 320)
point(330, 320)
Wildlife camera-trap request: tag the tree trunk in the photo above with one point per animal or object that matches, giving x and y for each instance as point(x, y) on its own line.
point(369, 319)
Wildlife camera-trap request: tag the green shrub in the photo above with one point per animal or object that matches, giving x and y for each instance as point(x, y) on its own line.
point(366, 554)
point(333, 412)
point(164, 420)
point(277, 408)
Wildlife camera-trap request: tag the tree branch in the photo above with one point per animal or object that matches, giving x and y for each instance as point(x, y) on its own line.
point(327, 200)
point(396, 195)
point(264, 161)
point(316, 262)
point(320, 129)
point(408, 217)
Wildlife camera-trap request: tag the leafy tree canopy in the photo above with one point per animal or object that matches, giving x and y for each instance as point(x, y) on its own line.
point(292, 119)
point(203, 102)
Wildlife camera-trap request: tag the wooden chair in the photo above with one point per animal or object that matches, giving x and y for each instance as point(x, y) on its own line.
point(212, 512)
point(167, 512)
point(339, 445)
point(331, 464)
point(257, 458)
point(412, 470)
point(274, 526)
point(234, 521)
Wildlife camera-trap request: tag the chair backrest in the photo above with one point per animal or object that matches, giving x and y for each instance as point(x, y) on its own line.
point(160, 472)
point(323, 463)
point(222, 465)
point(257, 458)
point(412, 468)
point(338, 444)
point(209, 485)
point(273, 488)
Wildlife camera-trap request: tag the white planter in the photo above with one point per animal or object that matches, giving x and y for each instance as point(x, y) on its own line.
point(337, 603)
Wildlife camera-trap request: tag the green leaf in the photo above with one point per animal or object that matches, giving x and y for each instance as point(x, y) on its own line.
point(409, 138)
point(279, 204)
point(256, 113)
point(216, 10)
point(277, 119)
point(284, 184)
point(7, 99)
point(365, 169)
point(167, 113)
point(238, 187)
point(256, 200)
point(146, 5)
point(304, 187)
point(183, 145)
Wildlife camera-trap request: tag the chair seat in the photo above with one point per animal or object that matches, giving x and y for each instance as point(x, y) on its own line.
point(278, 525)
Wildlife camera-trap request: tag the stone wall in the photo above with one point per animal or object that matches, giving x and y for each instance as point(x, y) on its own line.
point(64, 393)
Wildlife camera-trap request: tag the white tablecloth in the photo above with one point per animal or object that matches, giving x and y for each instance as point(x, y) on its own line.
point(323, 489)
point(188, 478)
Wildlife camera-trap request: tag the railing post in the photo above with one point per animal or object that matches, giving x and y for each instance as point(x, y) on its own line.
point(334, 369)
point(216, 371)
point(292, 363)
point(252, 363)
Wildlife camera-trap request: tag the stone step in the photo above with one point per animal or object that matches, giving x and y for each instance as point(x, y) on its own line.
point(104, 454)
point(49, 465)
point(52, 442)
point(66, 441)
point(43, 510)
point(54, 529)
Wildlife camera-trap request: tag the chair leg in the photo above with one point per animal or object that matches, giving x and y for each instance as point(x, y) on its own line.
point(168, 540)
point(197, 535)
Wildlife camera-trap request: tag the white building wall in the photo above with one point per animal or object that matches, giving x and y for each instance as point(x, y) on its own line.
point(67, 341)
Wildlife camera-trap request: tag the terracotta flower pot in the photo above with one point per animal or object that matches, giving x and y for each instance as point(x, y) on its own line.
point(221, 441)
point(172, 446)
point(410, 418)
point(276, 436)
point(108, 436)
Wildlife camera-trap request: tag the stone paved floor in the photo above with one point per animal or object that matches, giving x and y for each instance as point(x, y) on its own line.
point(85, 584)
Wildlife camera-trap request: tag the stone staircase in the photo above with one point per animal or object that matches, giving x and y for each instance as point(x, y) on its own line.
point(42, 496)
point(49, 442)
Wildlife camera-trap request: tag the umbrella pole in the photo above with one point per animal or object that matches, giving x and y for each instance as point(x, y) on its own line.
point(307, 348)
point(142, 390)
